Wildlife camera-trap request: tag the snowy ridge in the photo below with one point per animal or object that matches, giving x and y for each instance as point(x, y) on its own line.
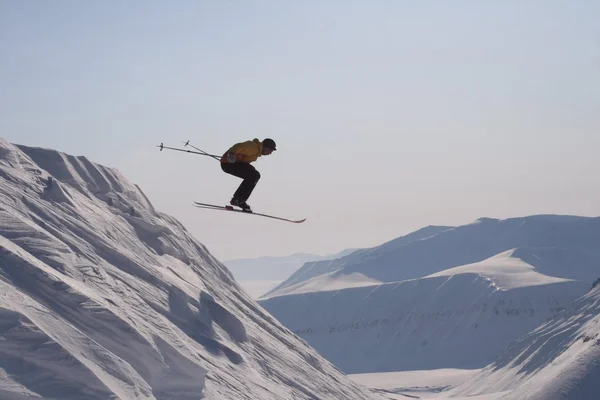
point(315, 268)
point(327, 282)
point(559, 360)
point(508, 270)
point(103, 297)
point(435, 249)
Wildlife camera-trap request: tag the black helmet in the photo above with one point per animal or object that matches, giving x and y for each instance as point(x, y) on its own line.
point(269, 143)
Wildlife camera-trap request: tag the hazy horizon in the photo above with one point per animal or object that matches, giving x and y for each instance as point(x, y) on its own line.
point(388, 116)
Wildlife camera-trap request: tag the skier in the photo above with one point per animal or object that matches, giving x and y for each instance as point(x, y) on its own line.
point(236, 161)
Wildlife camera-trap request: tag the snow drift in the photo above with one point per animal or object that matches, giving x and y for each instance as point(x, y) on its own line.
point(103, 297)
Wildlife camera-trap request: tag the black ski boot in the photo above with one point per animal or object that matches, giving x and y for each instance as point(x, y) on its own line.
point(241, 204)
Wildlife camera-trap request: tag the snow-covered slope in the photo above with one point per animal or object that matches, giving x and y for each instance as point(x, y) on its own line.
point(359, 257)
point(510, 270)
point(452, 316)
point(559, 360)
point(258, 275)
point(460, 321)
point(103, 297)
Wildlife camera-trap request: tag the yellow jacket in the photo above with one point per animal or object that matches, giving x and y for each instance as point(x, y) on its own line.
point(247, 151)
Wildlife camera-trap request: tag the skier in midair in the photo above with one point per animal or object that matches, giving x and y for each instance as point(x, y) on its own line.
point(236, 161)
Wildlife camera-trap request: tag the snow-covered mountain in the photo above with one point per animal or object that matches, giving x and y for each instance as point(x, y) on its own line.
point(437, 248)
point(274, 268)
point(559, 360)
point(259, 275)
point(441, 297)
point(104, 297)
point(358, 257)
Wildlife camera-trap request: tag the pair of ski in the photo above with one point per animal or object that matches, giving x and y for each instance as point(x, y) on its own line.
point(231, 208)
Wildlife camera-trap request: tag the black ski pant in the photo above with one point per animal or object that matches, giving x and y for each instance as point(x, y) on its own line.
point(248, 173)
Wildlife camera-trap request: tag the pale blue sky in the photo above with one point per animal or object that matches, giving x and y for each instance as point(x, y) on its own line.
point(389, 115)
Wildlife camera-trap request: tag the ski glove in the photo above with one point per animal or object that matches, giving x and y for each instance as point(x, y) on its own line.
point(231, 157)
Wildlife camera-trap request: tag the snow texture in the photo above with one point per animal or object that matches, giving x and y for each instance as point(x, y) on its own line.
point(103, 297)
point(451, 298)
point(559, 360)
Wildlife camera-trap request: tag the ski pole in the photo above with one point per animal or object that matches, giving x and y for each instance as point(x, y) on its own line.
point(161, 146)
point(191, 145)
